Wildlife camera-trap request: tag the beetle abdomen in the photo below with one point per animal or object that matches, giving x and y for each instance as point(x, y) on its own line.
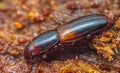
point(81, 27)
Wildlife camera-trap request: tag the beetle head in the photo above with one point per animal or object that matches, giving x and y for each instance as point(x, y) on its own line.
point(31, 51)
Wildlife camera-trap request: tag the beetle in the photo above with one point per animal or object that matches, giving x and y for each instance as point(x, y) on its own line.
point(68, 32)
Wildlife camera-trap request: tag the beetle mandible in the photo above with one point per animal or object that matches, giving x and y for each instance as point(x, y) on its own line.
point(68, 32)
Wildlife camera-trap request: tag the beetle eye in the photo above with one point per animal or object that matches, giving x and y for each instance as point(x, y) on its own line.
point(32, 56)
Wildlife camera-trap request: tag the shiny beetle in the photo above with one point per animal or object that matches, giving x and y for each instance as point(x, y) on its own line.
point(68, 32)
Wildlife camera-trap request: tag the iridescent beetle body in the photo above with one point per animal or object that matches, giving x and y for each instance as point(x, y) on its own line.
point(68, 32)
